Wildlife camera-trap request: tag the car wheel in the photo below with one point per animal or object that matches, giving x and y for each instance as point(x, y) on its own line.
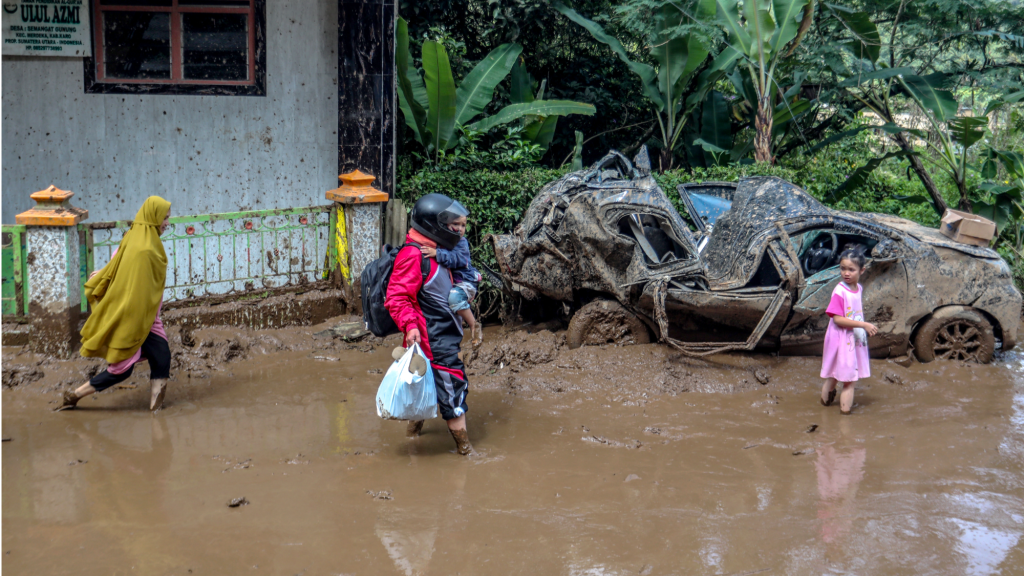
point(955, 333)
point(605, 322)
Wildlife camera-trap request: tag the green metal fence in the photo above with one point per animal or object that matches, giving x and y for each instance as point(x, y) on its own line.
point(238, 252)
point(15, 278)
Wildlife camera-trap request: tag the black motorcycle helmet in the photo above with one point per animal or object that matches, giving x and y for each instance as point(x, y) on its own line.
point(431, 216)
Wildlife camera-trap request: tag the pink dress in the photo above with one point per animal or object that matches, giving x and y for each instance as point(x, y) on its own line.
point(158, 329)
point(846, 350)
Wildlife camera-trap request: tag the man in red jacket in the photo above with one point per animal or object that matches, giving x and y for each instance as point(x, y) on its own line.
point(420, 309)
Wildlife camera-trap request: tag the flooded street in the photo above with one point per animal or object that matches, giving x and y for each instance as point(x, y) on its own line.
point(595, 461)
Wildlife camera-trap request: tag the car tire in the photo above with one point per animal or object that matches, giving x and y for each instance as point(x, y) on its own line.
point(605, 322)
point(955, 333)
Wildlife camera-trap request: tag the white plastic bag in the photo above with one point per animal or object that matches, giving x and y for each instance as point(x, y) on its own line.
point(405, 395)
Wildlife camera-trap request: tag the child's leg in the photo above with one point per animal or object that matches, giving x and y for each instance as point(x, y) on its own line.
point(467, 316)
point(474, 327)
point(846, 397)
point(828, 391)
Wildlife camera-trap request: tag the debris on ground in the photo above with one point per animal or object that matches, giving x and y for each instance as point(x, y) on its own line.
point(893, 378)
point(762, 376)
point(347, 331)
point(240, 501)
point(20, 374)
point(811, 428)
point(381, 495)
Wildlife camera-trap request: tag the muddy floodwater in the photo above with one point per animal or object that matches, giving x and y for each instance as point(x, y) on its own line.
point(595, 461)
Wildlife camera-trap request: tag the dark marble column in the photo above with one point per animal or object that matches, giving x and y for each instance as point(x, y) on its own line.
point(366, 89)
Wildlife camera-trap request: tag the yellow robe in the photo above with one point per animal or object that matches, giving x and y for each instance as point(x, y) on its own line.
point(125, 294)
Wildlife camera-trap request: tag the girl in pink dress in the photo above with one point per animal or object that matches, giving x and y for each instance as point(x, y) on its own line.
point(846, 341)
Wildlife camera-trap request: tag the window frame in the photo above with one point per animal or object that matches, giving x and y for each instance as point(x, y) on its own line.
point(96, 81)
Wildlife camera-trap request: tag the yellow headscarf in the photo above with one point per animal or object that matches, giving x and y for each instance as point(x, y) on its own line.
point(126, 292)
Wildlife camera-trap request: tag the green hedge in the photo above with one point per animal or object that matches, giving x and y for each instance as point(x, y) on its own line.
point(496, 200)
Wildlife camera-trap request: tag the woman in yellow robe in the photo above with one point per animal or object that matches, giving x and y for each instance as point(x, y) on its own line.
point(126, 296)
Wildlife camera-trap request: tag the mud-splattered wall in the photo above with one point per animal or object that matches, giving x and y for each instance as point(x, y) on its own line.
point(203, 153)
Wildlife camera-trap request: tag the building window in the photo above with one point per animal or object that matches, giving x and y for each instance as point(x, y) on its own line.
point(177, 47)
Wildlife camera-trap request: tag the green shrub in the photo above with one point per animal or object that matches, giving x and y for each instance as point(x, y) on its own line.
point(496, 199)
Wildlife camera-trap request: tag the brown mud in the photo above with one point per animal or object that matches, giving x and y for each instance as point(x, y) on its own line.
point(595, 461)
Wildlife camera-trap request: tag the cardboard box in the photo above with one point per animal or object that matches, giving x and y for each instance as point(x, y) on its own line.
point(967, 228)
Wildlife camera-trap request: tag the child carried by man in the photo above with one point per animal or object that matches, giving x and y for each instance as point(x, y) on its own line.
point(465, 277)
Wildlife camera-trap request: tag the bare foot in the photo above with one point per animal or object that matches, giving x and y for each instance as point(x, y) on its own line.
point(156, 395)
point(478, 335)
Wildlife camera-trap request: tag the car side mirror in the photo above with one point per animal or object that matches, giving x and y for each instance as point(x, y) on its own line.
point(885, 251)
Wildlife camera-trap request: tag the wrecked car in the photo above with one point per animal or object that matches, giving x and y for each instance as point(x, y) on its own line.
point(751, 266)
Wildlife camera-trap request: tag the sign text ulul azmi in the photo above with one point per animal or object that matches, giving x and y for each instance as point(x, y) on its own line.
point(46, 28)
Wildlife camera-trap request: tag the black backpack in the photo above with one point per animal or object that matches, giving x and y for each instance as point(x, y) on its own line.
point(374, 290)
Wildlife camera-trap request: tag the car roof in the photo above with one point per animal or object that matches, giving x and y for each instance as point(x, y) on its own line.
point(758, 203)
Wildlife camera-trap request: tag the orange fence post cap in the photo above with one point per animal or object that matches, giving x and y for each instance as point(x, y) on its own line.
point(53, 208)
point(356, 189)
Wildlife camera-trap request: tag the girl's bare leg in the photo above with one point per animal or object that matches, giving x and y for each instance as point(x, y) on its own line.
point(846, 397)
point(826, 388)
point(475, 329)
point(158, 388)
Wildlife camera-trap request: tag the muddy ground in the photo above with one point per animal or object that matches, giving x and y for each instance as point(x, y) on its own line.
point(595, 461)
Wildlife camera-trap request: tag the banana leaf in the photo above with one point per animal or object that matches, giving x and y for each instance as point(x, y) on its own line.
point(928, 90)
point(412, 94)
point(867, 44)
point(476, 90)
point(538, 107)
point(542, 131)
point(522, 84)
point(648, 76)
point(729, 17)
point(788, 15)
point(966, 130)
point(440, 95)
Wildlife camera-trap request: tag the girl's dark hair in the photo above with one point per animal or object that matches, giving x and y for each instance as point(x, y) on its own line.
point(854, 253)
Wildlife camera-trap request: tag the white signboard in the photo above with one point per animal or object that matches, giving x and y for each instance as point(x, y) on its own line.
point(46, 28)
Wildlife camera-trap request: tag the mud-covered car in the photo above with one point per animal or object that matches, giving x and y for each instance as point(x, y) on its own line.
point(752, 266)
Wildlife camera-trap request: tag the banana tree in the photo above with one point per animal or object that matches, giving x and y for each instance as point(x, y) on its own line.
point(678, 57)
point(433, 106)
point(764, 32)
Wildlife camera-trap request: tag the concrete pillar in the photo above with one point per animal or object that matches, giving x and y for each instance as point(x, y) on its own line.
point(54, 282)
point(367, 105)
point(360, 204)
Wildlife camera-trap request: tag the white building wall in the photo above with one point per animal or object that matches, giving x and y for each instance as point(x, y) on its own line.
point(203, 153)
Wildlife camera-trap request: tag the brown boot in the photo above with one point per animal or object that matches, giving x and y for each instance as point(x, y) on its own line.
point(70, 400)
point(414, 428)
point(462, 441)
